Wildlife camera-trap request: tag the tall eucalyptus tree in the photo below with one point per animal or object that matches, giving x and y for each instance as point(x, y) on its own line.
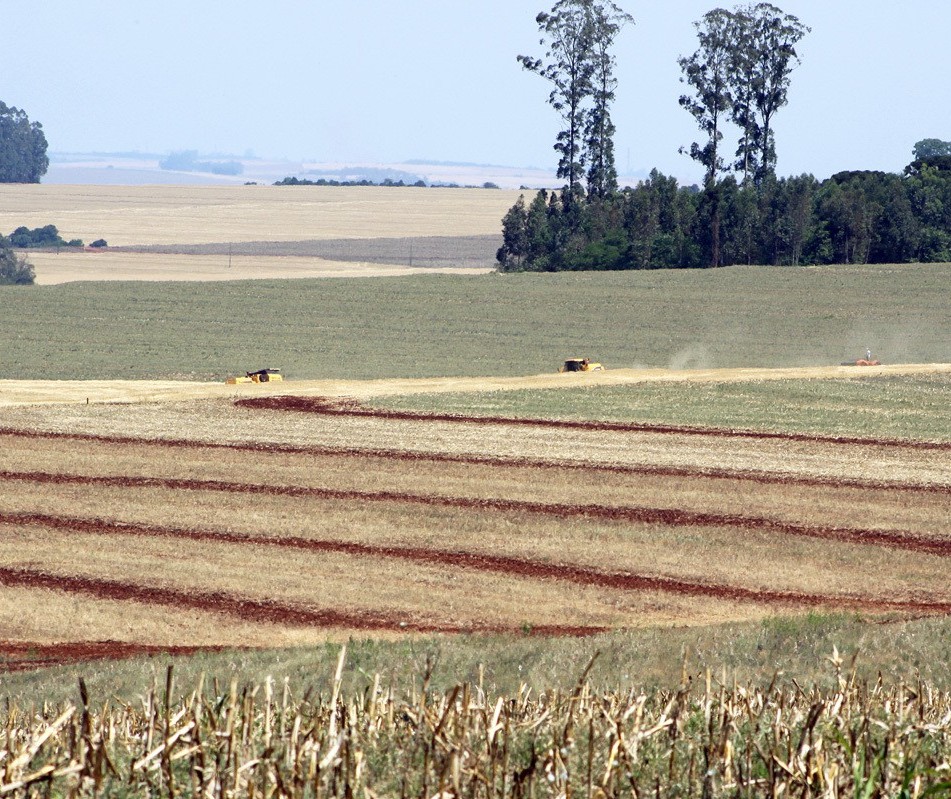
point(708, 73)
point(578, 35)
point(566, 31)
point(763, 60)
point(607, 20)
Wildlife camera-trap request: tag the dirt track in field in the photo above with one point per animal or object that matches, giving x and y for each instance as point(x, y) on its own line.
point(267, 612)
point(333, 407)
point(32, 392)
point(522, 567)
point(31, 655)
point(672, 517)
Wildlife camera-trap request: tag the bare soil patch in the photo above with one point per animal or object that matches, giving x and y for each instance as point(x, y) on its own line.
point(30, 655)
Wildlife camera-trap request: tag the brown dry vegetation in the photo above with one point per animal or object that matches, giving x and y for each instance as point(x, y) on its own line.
point(710, 739)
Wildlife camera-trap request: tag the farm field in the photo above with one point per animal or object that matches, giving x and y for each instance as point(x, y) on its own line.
point(183, 215)
point(202, 233)
point(210, 523)
point(437, 326)
point(726, 509)
point(68, 267)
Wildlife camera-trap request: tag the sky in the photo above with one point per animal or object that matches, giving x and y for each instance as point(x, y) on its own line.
point(389, 81)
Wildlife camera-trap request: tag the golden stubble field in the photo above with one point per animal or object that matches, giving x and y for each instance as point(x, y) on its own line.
point(187, 215)
point(129, 215)
point(203, 523)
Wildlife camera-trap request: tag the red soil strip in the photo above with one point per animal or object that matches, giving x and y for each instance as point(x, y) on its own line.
point(763, 478)
point(27, 656)
point(500, 564)
point(350, 407)
point(259, 611)
point(672, 517)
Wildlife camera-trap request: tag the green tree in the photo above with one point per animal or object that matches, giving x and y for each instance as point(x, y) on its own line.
point(763, 58)
point(929, 148)
point(514, 247)
point(538, 230)
point(23, 145)
point(579, 36)
point(707, 72)
point(607, 20)
point(14, 269)
point(566, 32)
point(930, 197)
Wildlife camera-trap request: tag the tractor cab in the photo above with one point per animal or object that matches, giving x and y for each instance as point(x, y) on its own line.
point(260, 376)
point(265, 375)
point(580, 365)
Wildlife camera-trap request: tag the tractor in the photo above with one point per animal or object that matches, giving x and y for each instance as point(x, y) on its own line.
point(260, 376)
point(580, 365)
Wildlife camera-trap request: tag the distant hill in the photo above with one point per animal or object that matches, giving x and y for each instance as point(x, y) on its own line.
point(131, 168)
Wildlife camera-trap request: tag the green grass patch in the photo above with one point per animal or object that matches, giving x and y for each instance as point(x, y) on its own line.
point(452, 325)
point(647, 659)
point(913, 407)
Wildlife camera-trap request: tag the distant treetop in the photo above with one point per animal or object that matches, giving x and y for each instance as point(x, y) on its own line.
point(931, 148)
point(23, 156)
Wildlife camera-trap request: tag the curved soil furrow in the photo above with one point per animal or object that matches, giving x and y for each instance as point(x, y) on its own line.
point(350, 407)
point(712, 473)
point(267, 612)
point(501, 564)
point(27, 656)
point(672, 517)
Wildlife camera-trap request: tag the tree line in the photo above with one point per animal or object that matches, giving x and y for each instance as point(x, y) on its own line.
point(738, 78)
point(852, 217)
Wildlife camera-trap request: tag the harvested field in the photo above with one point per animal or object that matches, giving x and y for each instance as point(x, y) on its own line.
point(67, 267)
point(330, 519)
point(258, 232)
point(420, 251)
point(186, 215)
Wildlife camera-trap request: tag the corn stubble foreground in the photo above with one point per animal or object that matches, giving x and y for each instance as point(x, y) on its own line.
point(714, 739)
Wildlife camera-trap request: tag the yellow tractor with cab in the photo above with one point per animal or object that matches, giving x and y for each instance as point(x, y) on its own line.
point(580, 365)
point(260, 376)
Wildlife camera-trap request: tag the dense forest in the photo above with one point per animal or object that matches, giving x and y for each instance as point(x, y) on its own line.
point(737, 79)
point(850, 218)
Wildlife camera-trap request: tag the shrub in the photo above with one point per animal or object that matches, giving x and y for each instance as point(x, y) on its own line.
point(46, 236)
point(14, 269)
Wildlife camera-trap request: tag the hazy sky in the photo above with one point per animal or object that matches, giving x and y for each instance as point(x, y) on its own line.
point(384, 81)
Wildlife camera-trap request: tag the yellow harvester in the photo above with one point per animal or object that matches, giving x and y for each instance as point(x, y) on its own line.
point(580, 365)
point(260, 376)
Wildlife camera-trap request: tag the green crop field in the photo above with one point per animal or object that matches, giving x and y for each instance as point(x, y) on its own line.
point(491, 324)
point(901, 406)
